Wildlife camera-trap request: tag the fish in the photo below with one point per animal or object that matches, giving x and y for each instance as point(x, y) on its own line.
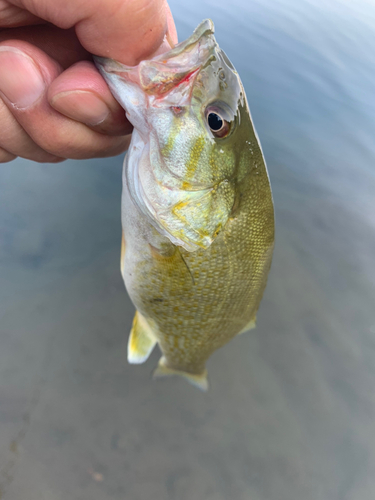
point(197, 207)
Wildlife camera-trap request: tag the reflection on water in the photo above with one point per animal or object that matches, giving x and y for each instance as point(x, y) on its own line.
point(291, 411)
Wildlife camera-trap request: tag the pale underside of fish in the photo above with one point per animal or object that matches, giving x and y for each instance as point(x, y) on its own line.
point(197, 210)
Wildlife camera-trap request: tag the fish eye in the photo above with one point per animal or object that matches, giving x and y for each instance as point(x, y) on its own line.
point(215, 122)
point(218, 125)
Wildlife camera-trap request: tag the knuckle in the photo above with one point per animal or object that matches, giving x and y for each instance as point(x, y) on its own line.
point(5, 156)
point(54, 144)
point(57, 160)
point(66, 141)
point(88, 144)
point(45, 157)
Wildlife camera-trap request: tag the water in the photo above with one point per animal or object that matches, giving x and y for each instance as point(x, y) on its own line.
point(291, 410)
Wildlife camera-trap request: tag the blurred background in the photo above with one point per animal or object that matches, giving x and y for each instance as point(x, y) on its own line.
point(291, 410)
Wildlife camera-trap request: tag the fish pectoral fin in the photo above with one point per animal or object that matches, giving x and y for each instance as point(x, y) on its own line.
point(251, 324)
point(198, 380)
point(141, 340)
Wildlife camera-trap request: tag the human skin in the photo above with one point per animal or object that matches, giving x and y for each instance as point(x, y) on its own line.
point(54, 104)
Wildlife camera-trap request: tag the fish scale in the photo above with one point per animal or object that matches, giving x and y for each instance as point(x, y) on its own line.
point(197, 208)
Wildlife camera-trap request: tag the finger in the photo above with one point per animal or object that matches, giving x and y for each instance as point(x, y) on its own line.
point(81, 93)
point(171, 27)
point(11, 16)
point(23, 85)
point(61, 45)
point(125, 30)
point(17, 142)
point(5, 156)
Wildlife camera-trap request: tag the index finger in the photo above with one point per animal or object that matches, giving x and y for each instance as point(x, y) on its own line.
point(125, 30)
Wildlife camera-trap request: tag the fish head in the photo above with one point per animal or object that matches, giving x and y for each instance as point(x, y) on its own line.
point(187, 107)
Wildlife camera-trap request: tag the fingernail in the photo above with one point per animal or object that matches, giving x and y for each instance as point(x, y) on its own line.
point(81, 105)
point(21, 81)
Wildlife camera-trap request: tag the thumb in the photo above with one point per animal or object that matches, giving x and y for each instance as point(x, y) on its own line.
point(125, 30)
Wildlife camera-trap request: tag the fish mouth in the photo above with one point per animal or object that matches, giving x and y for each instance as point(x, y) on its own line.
point(177, 66)
point(164, 72)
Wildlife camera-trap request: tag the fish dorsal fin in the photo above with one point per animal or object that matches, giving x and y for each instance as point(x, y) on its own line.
point(141, 340)
point(198, 380)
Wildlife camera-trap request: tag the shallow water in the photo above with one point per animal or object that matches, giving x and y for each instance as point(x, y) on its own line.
point(291, 410)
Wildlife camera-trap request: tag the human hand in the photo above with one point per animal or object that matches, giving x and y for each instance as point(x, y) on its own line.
point(54, 104)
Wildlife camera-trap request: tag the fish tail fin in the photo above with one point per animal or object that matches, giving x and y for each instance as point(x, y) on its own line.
point(198, 380)
point(251, 324)
point(141, 340)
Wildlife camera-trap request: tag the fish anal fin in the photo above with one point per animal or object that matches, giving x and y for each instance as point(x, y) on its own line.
point(251, 324)
point(141, 340)
point(198, 380)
